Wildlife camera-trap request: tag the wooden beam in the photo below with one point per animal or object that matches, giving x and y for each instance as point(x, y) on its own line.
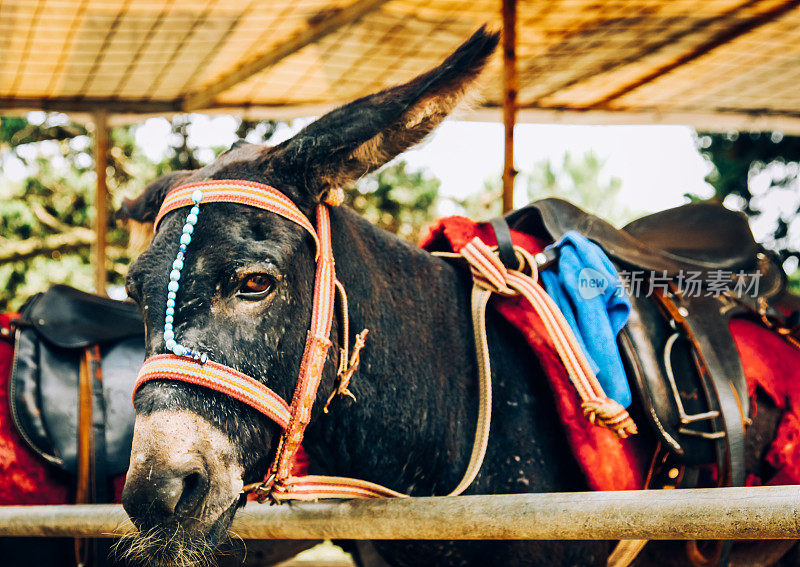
point(100, 199)
point(724, 38)
point(90, 105)
point(722, 120)
point(313, 32)
point(648, 49)
point(764, 512)
point(509, 99)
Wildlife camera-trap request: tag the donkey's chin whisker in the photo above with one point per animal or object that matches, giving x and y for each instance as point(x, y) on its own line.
point(233, 545)
point(160, 546)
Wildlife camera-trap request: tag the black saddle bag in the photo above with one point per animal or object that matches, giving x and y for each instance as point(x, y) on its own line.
point(52, 335)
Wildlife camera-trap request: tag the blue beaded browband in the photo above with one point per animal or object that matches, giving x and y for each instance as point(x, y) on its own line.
point(173, 286)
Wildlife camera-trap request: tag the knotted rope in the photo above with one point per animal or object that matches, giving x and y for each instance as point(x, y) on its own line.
point(489, 274)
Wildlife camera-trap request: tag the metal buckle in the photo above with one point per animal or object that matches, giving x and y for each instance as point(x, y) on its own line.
point(263, 490)
point(685, 417)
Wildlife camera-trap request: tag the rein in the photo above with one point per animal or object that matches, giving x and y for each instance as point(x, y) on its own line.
point(489, 276)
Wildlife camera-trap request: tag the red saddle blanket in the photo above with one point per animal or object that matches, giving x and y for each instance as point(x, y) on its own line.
point(609, 463)
point(26, 479)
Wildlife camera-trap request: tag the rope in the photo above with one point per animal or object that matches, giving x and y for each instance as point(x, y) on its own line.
point(489, 274)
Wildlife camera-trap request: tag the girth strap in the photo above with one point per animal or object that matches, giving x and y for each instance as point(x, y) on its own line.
point(705, 324)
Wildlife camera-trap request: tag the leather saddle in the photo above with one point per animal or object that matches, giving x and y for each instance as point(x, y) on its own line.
point(75, 362)
point(680, 357)
point(698, 237)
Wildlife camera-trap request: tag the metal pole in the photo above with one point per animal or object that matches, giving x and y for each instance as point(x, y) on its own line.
point(100, 199)
point(509, 99)
point(766, 512)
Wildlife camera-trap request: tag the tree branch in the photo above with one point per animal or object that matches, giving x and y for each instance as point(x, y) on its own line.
point(47, 219)
point(75, 239)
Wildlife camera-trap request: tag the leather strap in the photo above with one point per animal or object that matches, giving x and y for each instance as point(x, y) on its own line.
point(99, 457)
point(91, 437)
point(85, 431)
point(625, 552)
point(505, 246)
point(480, 299)
point(100, 476)
point(705, 323)
point(718, 363)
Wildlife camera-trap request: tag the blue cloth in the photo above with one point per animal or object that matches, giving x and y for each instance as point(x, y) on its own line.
point(586, 288)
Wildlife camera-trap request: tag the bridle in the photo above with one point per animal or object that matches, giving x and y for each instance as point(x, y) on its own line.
point(193, 367)
point(489, 276)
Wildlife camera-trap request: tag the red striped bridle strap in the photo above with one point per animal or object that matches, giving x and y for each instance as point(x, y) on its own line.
point(236, 191)
point(313, 487)
point(217, 377)
point(292, 418)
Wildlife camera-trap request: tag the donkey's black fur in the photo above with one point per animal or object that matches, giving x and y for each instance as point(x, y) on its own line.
point(412, 426)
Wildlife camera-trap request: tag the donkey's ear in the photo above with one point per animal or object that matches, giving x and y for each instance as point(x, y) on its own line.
point(144, 208)
point(361, 136)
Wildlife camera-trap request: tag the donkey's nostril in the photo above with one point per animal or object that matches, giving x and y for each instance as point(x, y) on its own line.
point(150, 497)
point(195, 486)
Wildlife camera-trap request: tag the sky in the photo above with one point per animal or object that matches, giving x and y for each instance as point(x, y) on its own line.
point(657, 164)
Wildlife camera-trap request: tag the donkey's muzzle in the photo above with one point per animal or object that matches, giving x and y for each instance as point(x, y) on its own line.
point(157, 493)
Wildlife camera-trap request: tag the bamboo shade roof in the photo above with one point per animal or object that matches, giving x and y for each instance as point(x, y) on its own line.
point(718, 64)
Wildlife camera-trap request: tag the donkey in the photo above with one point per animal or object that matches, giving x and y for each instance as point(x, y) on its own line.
point(246, 298)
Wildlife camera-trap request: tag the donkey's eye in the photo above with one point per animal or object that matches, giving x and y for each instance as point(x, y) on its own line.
point(255, 286)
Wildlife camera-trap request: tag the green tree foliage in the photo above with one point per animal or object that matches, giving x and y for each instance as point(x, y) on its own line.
point(398, 200)
point(46, 218)
point(759, 174)
point(579, 180)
